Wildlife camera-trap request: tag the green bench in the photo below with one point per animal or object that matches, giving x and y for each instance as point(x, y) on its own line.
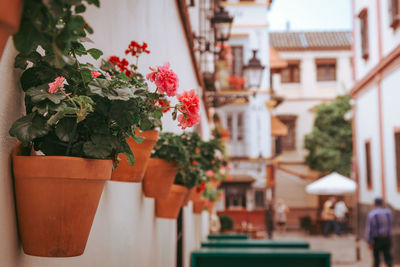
point(228, 236)
point(259, 257)
point(253, 243)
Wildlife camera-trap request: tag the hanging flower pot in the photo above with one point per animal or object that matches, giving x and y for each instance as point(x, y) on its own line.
point(159, 178)
point(57, 199)
point(127, 173)
point(188, 196)
point(10, 14)
point(196, 194)
point(169, 208)
point(198, 206)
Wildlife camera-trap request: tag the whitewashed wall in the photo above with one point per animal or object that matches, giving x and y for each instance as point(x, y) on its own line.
point(390, 37)
point(362, 66)
point(391, 120)
point(125, 231)
point(367, 129)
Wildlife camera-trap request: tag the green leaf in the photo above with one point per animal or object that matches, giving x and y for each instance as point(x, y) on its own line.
point(157, 114)
point(145, 124)
point(65, 129)
point(138, 139)
point(94, 2)
point(122, 76)
point(21, 60)
point(87, 75)
point(95, 53)
point(29, 127)
point(80, 9)
point(41, 93)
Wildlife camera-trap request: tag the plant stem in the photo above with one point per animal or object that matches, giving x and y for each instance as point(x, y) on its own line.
point(72, 138)
point(79, 70)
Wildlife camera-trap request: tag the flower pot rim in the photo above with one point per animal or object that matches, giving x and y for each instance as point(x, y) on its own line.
point(179, 189)
point(102, 166)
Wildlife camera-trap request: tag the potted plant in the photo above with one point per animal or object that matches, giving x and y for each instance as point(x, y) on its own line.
point(154, 104)
point(77, 120)
point(169, 153)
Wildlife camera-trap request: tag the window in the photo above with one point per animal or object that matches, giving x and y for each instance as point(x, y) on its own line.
point(240, 127)
point(229, 124)
point(235, 196)
point(394, 14)
point(259, 196)
point(364, 33)
point(237, 60)
point(289, 141)
point(291, 74)
point(368, 165)
point(397, 155)
point(326, 70)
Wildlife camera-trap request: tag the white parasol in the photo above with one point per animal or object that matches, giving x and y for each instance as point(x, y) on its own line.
point(332, 184)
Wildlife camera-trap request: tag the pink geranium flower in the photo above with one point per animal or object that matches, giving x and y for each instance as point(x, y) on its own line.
point(190, 102)
point(165, 79)
point(95, 74)
point(58, 83)
point(188, 120)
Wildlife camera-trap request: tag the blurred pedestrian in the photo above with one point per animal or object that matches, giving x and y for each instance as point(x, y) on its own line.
point(328, 216)
point(340, 216)
point(378, 232)
point(269, 219)
point(281, 212)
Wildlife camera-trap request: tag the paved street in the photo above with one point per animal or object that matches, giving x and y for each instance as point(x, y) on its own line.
point(343, 249)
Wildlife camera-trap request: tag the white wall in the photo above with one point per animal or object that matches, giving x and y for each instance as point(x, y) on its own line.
point(362, 66)
point(125, 231)
point(367, 128)
point(391, 120)
point(390, 37)
point(309, 87)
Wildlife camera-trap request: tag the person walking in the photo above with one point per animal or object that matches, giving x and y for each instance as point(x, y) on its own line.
point(340, 216)
point(378, 232)
point(269, 219)
point(328, 216)
point(281, 211)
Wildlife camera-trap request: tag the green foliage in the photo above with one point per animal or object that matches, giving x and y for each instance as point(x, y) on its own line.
point(330, 142)
point(211, 192)
point(88, 117)
point(226, 222)
point(194, 156)
point(170, 147)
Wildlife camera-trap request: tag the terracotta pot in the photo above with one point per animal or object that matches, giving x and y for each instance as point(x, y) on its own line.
point(169, 207)
point(127, 173)
point(198, 206)
point(10, 16)
point(57, 199)
point(188, 196)
point(159, 177)
point(196, 195)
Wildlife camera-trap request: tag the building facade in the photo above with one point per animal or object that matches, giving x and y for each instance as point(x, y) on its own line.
point(125, 230)
point(318, 69)
point(376, 135)
point(243, 111)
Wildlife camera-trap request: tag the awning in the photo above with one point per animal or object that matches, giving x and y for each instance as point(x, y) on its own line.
point(278, 128)
point(275, 61)
point(332, 184)
point(240, 179)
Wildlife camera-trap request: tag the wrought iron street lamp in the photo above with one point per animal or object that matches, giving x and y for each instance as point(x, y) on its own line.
point(222, 24)
point(253, 72)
